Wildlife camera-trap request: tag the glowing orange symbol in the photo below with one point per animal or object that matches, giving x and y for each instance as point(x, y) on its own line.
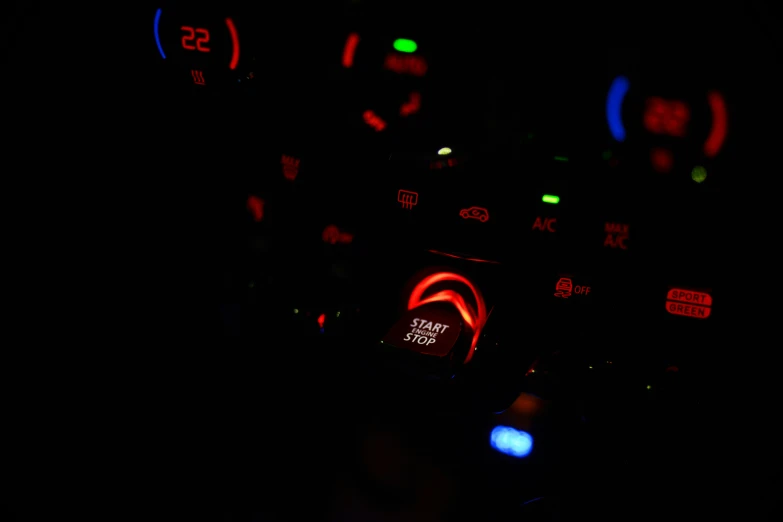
point(688, 303)
point(198, 77)
point(545, 225)
point(479, 213)
point(334, 235)
point(374, 121)
point(290, 167)
point(616, 235)
point(412, 106)
point(255, 206)
point(564, 287)
point(408, 199)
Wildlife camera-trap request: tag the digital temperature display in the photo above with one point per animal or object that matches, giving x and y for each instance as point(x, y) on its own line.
point(666, 117)
point(704, 124)
point(200, 35)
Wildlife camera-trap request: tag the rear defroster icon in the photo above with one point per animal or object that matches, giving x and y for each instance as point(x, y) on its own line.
point(408, 199)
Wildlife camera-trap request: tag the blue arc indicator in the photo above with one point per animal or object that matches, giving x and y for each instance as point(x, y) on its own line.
point(614, 106)
point(157, 34)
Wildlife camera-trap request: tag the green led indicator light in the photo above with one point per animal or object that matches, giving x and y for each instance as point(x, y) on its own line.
point(549, 198)
point(405, 46)
point(698, 174)
point(561, 158)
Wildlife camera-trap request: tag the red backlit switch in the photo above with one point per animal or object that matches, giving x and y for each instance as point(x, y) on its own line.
point(545, 224)
point(255, 206)
point(198, 77)
point(412, 106)
point(616, 235)
point(290, 167)
point(565, 288)
point(406, 64)
point(334, 235)
point(688, 303)
point(478, 213)
point(374, 121)
point(429, 330)
point(662, 160)
point(666, 117)
point(408, 199)
point(442, 164)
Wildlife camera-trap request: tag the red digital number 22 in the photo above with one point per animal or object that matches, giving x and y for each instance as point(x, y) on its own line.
point(190, 35)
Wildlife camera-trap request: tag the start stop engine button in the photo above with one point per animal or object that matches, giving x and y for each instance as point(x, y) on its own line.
point(430, 330)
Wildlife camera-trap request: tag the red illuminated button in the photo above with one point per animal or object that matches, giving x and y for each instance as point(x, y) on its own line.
point(662, 160)
point(198, 77)
point(565, 287)
point(688, 303)
point(255, 206)
point(407, 199)
point(545, 224)
point(666, 116)
point(478, 213)
point(412, 105)
point(290, 166)
point(406, 64)
point(616, 235)
point(444, 163)
point(333, 236)
point(429, 330)
point(374, 121)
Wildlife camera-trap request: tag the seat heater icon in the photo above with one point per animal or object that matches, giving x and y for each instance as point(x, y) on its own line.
point(564, 287)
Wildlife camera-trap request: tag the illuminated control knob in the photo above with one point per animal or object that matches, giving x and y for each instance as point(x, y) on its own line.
point(387, 81)
point(672, 131)
point(205, 49)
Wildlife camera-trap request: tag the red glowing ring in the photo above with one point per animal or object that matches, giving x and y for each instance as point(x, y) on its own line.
point(454, 256)
point(474, 319)
point(235, 41)
point(720, 124)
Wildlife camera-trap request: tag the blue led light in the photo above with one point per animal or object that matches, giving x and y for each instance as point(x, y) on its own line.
point(516, 443)
point(157, 34)
point(614, 106)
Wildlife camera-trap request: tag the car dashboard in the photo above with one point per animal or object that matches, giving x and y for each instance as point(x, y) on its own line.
point(426, 261)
